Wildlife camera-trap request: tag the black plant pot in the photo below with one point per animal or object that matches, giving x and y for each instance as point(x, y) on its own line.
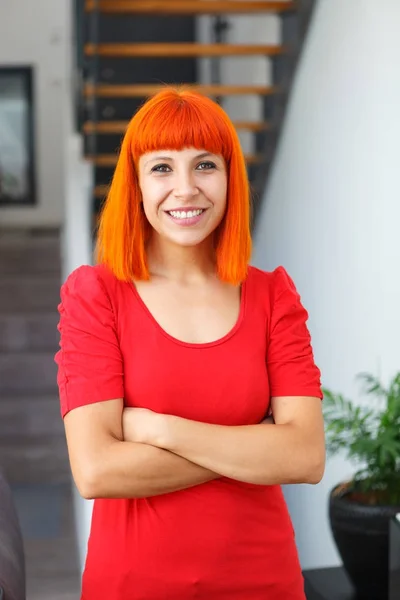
point(361, 533)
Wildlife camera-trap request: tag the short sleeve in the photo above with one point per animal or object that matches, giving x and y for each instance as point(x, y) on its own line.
point(290, 360)
point(90, 365)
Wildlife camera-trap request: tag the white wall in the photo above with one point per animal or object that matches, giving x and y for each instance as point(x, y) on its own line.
point(38, 33)
point(77, 251)
point(331, 216)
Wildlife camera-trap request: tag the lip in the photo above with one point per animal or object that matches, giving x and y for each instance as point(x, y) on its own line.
point(190, 221)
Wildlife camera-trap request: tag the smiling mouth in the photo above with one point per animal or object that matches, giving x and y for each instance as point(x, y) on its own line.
point(185, 214)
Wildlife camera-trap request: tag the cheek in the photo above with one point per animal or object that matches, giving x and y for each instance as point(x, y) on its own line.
point(151, 197)
point(151, 213)
point(148, 205)
point(222, 196)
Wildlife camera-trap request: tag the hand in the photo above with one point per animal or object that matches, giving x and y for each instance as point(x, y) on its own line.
point(140, 425)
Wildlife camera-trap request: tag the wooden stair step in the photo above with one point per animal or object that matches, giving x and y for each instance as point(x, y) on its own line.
point(25, 255)
point(189, 7)
point(33, 292)
point(101, 191)
point(36, 416)
point(110, 160)
point(105, 127)
point(187, 50)
point(119, 127)
point(146, 90)
point(38, 368)
point(32, 459)
point(253, 125)
point(29, 331)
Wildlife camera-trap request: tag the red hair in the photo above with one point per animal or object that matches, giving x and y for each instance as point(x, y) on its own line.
point(174, 119)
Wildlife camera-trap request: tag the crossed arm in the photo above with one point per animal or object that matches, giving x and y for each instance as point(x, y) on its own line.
point(119, 453)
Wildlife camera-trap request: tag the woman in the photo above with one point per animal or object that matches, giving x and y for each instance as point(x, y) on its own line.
point(173, 351)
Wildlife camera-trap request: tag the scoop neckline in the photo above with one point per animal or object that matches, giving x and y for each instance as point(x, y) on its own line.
point(225, 338)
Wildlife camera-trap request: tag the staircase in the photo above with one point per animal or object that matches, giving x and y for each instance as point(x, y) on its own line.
point(32, 440)
point(33, 452)
point(129, 48)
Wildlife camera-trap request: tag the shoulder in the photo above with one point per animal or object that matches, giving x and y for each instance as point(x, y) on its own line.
point(272, 283)
point(81, 278)
point(90, 281)
point(90, 290)
point(274, 291)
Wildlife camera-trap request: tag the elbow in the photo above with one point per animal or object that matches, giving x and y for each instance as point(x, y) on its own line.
point(314, 476)
point(87, 481)
point(315, 469)
point(87, 491)
point(92, 474)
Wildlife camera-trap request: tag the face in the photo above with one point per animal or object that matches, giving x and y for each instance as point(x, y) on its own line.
point(184, 193)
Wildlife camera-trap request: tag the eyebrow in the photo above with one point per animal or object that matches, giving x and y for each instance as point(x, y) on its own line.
point(156, 158)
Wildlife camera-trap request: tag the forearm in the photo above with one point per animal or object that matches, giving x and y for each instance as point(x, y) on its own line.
point(255, 454)
point(133, 470)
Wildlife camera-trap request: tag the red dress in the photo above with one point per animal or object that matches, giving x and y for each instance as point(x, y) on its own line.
point(222, 540)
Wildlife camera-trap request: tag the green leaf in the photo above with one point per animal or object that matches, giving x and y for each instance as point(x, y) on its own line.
point(367, 434)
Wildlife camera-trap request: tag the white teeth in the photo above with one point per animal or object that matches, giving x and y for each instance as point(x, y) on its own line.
point(180, 214)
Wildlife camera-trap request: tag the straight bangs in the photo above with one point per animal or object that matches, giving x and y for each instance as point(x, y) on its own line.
point(174, 119)
point(183, 122)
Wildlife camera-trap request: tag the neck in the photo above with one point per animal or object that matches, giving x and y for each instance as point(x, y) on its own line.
point(183, 264)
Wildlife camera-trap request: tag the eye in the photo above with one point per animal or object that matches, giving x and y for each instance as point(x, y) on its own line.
point(161, 169)
point(206, 166)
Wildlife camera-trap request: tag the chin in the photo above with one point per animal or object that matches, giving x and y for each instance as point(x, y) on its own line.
point(187, 241)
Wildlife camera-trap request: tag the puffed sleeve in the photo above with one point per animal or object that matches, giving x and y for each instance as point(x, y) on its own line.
point(290, 360)
point(90, 366)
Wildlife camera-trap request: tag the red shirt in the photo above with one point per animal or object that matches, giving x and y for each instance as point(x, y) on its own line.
point(222, 540)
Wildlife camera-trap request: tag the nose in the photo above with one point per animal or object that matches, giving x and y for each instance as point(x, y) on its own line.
point(185, 185)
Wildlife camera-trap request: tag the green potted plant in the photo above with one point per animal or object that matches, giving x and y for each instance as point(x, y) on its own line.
point(360, 510)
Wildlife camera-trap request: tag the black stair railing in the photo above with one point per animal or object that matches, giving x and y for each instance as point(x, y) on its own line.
point(220, 28)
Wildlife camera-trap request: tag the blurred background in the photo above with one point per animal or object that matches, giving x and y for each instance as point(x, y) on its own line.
point(313, 88)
